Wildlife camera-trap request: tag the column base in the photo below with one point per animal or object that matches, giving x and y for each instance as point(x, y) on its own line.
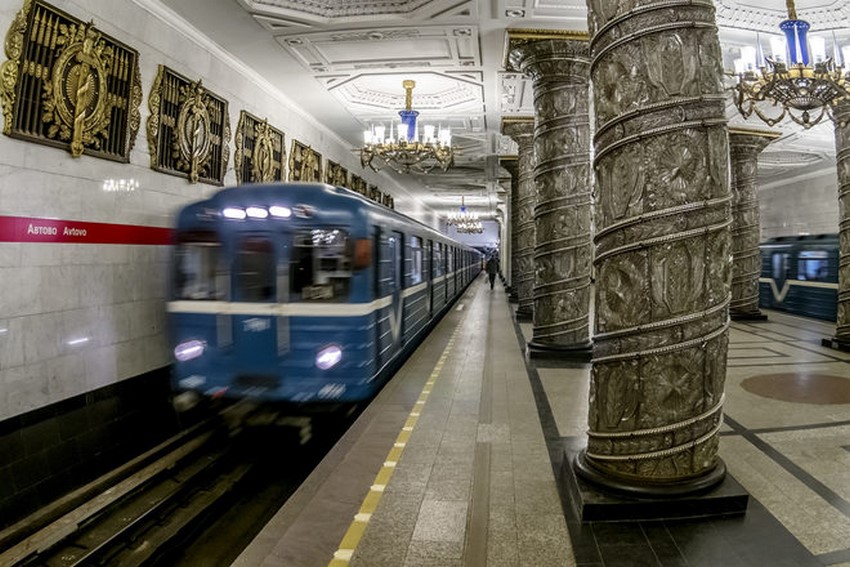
point(524, 315)
point(649, 489)
point(581, 352)
point(754, 316)
point(836, 344)
point(593, 503)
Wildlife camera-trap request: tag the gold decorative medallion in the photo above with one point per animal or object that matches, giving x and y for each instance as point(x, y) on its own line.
point(188, 129)
point(305, 163)
point(66, 84)
point(336, 174)
point(260, 153)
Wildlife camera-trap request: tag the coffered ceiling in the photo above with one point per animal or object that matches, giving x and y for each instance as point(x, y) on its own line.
point(343, 62)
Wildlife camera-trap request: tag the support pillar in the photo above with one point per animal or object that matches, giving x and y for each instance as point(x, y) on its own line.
point(841, 114)
point(521, 130)
point(744, 149)
point(559, 66)
point(510, 163)
point(662, 249)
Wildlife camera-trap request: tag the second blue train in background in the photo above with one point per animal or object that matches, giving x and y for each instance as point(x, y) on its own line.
point(799, 274)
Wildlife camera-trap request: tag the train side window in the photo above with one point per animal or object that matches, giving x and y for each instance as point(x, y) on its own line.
point(813, 265)
point(779, 261)
point(199, 272)
point(416, 256)
point(255, 270)
point(320, 265)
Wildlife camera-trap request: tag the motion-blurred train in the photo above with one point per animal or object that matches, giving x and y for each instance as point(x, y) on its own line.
point(303, 292)
point(799, 274)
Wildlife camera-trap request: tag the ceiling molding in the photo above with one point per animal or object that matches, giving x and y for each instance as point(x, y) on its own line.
point(350, 50)
point(334, 12)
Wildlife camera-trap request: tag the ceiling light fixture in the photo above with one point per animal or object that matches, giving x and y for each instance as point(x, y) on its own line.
point(465, 222)
point(403, 150)
point(804, 83)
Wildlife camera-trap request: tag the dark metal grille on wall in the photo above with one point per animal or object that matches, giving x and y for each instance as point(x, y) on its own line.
point(260, 151)
point(336, 174)
point(188, 129)
point(305, 163)
point(67, 85)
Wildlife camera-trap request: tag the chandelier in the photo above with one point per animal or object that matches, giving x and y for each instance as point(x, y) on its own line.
point(798, 78)
point(403, 150)
point(464, 221)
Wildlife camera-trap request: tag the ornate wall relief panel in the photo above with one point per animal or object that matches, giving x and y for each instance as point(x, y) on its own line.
point(336, 175)
point(260, 150)
point(68, 85)
point(662, 246)
point(305, 163)
point(188, 129)
point(359, 185)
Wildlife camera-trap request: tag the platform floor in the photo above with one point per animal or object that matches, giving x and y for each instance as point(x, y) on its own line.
point(450, 465)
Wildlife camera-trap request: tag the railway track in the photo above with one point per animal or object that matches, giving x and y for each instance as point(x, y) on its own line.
point(156, 509)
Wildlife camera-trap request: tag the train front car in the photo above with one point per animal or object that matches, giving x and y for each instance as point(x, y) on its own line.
point(800, 275)
point(271, 296)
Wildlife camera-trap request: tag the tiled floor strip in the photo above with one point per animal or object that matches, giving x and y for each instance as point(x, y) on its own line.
point(355, 531)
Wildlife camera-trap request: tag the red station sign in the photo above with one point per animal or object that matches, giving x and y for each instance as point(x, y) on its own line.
point(32, 229)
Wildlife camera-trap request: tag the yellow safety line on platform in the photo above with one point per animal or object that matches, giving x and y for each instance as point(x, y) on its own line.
point(358, 526)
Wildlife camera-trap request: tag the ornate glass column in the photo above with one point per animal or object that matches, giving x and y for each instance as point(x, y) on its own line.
point(744, 149)
point(510, 163)
point(521, 130)
point(842, 158)
point(662, 248)
point(559, 66)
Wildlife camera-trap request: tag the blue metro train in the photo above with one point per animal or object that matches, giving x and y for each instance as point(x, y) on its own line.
point(304, 292)
point(799, 274)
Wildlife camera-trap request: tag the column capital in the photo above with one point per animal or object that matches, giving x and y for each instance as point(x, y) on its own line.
point(750, 142)
point(519, 37)
point(770, 135)
point(540, 56)
point(519, 128)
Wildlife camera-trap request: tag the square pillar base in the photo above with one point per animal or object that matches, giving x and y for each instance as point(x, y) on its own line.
point(592, 504)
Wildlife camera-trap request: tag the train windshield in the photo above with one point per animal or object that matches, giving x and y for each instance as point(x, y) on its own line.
point(255, 270)
point(320, 266)
point(199, 273)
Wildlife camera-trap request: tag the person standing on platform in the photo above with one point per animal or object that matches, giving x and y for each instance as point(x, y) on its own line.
point(492, 268)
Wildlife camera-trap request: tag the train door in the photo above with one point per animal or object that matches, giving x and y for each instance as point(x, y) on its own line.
point(780, 266)
point(396, 278)
point(429, 278)
point(255, 339)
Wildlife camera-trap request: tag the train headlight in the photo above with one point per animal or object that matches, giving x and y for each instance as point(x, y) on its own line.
point(234, 213)
point(257, 212)
point(279, 211)
point(188, 350)
point(328, 357)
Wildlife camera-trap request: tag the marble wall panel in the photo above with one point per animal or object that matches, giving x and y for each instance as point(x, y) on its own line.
point(114, 294)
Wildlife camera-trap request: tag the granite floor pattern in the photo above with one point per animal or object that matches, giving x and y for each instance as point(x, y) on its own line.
point(791, 456)
point(476, 483)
